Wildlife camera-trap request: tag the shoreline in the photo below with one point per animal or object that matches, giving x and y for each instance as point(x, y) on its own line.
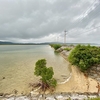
point(66, 79)
point(69, 66)
point(77, 84)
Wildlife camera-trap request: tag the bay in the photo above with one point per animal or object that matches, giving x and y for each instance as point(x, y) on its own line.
point(17, 63)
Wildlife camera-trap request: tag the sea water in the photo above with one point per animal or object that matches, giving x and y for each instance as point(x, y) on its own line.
point(17, 63)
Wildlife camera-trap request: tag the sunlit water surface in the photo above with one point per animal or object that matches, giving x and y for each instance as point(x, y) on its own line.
point(17, 63)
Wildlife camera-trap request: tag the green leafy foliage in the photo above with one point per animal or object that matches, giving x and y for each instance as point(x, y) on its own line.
point(55, 46)
point(67, 49)
point(45, 73)
point(52, 82)
point(40, 67)
point(85, 56)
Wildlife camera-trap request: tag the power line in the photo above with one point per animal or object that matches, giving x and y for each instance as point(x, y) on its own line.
point(90, 19)
point(89, 7)
point(84, 13)
point(88, 30)
point(88, 10)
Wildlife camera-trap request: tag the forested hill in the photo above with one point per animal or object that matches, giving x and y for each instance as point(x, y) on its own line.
point(11, 43)
point(5, 43)
point(45, 43)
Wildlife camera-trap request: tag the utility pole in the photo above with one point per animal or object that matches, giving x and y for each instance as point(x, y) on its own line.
point(65, 37)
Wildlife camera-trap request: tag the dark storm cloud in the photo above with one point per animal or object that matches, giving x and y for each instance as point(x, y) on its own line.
point(39, 19)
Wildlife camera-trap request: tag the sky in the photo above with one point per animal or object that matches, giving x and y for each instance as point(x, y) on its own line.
point(35, 21)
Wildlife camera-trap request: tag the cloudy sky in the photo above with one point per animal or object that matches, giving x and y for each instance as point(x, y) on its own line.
point(46, 20)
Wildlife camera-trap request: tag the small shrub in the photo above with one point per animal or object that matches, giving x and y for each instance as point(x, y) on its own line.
point(46, 75)
point(55, 46)
point(71, 45)
point(67, 49)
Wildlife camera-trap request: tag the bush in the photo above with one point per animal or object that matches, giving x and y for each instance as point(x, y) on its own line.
point(67, 49)
point(85, 56)
point(46, 75)
point(55, 46)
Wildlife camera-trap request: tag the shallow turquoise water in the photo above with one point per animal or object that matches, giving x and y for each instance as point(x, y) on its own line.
point(17, 64)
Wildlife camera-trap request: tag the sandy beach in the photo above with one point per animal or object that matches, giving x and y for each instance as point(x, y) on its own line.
point(78, 83)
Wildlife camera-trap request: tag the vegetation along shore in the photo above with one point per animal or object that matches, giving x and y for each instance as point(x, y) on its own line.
point(84, 82)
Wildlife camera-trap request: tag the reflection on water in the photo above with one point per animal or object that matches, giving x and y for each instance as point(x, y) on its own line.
point(17, 64)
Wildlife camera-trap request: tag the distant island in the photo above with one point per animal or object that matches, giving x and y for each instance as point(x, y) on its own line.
point(12, 43)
